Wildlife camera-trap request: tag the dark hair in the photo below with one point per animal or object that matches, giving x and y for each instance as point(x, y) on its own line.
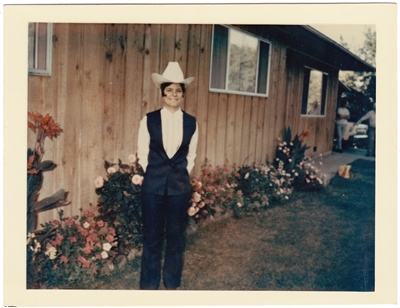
point(166, 84)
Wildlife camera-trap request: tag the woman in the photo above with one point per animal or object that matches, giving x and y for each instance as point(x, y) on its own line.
point(166, 149)
point(343, 114)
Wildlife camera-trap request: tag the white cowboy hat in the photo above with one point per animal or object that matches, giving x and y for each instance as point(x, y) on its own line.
point(173, 73)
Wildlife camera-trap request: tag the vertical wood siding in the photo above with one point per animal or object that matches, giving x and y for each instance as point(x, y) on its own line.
point(101, 88)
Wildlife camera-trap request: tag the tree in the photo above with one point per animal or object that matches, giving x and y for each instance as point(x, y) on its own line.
point(363, 84)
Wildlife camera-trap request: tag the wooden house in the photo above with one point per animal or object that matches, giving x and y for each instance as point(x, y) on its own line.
point(251, 81)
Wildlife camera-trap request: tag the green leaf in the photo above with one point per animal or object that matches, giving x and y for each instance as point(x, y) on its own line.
point(46, 165)
point(56, 200)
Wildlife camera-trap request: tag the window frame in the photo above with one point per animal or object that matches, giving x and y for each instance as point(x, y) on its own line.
point(49, 44)
point(305, 91)
point(226, 90)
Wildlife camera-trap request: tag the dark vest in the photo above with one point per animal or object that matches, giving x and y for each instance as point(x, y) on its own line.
point(164, 175)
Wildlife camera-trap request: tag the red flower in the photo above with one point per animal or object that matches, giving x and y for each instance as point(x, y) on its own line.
point(82, 231)
point(56, 222)
point(94, 208)
point(98, 256)
point(237, 174)
point(100, 224)
point(58, 241)
point(64, 259)
point(88, 248)
point(110, 238)
point(112, 231)
point(69, 222)
point(84, 262)
point(73, 239)
point(55, 267)
point(93, 225)
point(92, 237)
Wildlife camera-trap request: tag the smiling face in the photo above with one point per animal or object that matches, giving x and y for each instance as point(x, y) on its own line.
point(173, 97)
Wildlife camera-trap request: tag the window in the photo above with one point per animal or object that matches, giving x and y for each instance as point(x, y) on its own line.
point(239, 63)
point(314, 92)
point(39, 49)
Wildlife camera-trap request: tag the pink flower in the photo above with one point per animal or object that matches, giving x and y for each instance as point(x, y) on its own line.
point(69, 222)
point(98, 256)
point(84, 262)
point(201, 204)
point(55, 267)
point(48, 246)
point(64, 259)
point(58, 240)
point(132, 158)
point(99, 182)
point(87, 250)
point(137, 179)
point(211, 201)
point(93, 225)
point(92, 238)
point(112, 231)
point(94, 207)
point(100, 224)
point(191, 211)
point(110, 238)
point(82, 231)
point(196, 197)
point(111, 170)
point(73, 239)
point(56, 222)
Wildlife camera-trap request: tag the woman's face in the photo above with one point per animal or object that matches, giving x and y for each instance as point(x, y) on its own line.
point(173, 97)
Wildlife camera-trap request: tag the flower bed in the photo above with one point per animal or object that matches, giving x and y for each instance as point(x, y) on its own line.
point(77, 251)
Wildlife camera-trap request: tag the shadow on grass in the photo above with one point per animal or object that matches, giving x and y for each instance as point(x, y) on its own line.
point(319, 241)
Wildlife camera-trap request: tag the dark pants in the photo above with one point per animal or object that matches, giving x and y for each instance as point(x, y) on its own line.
point(161, 213)
point(371, 140)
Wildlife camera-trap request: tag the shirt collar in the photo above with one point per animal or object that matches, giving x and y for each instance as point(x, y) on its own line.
point(167, 113)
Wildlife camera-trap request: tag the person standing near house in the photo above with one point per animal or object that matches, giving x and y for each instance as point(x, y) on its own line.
point(371, 117)
point(167, 146)
point(343, 114)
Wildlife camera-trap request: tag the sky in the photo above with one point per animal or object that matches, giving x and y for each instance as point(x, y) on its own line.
point(352, 34)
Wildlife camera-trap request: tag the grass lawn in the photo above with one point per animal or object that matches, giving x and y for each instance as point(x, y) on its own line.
point(318, 241)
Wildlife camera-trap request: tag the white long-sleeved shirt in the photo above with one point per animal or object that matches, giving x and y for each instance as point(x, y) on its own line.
point(371, 116)
point(172, 134)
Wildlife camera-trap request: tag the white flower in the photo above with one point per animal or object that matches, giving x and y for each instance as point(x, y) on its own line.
point(111, 170)
point(51, 252)
point(320, 162)
point(296, 174)
point(191, 211)
point(280, 148)
point(196, 197)
point(132, 158)
point(107, 246)
point(246, 176)
point(290, 160)
point(99, 182)
point(291, 143)
point(104, 254)
point(137, 179)
point(86, 225)
point(239, 204)
point(286, 197)
point(284, 143)
point(307, 180)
